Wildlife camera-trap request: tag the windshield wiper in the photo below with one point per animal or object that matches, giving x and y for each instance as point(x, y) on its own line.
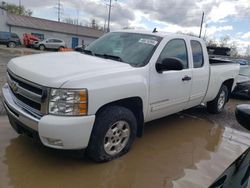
point(89, 52)
point(107, 56)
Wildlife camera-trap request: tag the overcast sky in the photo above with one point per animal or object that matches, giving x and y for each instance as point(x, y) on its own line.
point(222, 17)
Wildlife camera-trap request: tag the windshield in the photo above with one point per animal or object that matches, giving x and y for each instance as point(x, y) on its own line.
point(132, 48)
point(245, 71)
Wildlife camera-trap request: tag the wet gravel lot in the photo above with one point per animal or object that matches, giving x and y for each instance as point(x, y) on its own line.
point(186, 150)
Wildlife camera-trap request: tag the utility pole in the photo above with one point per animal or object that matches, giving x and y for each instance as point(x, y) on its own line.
point(110, 6)
point(20, 4)
point(201, 24)
point(59, 10)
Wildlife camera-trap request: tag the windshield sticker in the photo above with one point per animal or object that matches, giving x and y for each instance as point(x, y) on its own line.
point(148, 41)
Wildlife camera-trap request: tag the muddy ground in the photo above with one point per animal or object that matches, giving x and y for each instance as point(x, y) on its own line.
point(186, 150)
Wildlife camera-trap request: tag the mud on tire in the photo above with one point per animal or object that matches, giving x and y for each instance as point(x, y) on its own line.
point(217, 105)
point(104, 130)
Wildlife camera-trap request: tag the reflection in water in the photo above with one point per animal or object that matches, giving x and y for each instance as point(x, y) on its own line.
point(169, 146)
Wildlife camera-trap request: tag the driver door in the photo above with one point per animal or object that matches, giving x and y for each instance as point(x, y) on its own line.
point(170, 90)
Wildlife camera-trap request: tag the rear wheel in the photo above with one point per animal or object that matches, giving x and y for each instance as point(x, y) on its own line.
point(11, 45)
point(113, 134)
point(217, 105)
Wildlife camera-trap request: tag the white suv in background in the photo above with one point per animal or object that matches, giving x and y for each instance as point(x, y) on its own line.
point(51, 43)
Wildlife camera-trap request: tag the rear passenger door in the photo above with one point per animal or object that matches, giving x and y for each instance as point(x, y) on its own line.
point(4, 37)
point(200, 70)
point(57, 43)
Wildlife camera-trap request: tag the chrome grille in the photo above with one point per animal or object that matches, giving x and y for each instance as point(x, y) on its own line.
point(30, 96)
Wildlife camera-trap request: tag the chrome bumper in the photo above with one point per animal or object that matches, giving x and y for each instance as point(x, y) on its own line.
point(17, 112)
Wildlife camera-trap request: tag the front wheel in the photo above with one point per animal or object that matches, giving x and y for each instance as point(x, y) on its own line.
point(217, 105)
point(42, 47)
point(113, 134)
point(61, 48)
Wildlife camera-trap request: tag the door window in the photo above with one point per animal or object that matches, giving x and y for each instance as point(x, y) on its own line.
point(197, 52)
point(175, 48)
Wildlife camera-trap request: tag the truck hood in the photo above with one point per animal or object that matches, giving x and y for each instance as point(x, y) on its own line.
point(55, 69)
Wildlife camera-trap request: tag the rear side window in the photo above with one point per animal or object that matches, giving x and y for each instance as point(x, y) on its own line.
point(176, 48)
point(197, 52)
point(4, 35)
point(57, 41)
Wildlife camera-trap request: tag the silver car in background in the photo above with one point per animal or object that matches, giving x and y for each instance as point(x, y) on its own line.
point(51, 43)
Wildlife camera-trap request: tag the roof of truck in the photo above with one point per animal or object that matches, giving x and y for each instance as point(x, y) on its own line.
point(160, 34)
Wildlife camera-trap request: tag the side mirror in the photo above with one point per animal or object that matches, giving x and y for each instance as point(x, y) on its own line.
point(168, 64)
point(242, 114)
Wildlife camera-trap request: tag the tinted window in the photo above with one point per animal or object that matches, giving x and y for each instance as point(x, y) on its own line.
point(38, 35)
point(13, 35)
point(197, 52)
point(4, 35)
point(176, 48)
point(57, 41)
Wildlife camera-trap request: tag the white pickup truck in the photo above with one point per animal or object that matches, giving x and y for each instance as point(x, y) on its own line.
point(100, 100)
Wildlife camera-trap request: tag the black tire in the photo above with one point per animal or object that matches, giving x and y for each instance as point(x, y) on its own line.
point(11, 44)
point(214, 106)
point(42, 47)
point(104, 122)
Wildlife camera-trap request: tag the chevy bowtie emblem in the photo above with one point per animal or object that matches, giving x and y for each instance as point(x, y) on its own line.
point(14, 86)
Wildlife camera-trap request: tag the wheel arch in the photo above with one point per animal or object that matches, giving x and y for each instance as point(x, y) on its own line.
point(229, 84)
point(135, 104)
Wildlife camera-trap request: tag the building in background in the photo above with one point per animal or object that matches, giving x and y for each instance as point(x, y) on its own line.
point(73, 35)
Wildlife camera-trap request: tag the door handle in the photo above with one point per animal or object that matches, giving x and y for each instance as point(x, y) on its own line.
point(186, 78)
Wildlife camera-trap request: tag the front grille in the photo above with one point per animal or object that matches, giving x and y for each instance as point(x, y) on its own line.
point(31, 97)
point(28, 102)
point(27, 86)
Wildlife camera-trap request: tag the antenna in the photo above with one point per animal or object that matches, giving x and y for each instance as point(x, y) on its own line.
point(202, 18)
point(155, 30)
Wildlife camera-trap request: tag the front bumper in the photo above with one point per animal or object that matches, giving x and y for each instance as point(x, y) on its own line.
point(242, 90)
point(53, 131)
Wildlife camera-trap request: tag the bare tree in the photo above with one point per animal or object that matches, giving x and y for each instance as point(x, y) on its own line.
point(247, 53)
point(224, 41)
point(15, 9)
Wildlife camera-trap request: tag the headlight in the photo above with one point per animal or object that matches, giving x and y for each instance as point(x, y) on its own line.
point(68, 102)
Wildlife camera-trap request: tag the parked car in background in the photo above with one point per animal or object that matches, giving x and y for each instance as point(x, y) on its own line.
point(51, 43)
point(242, 89)
point(29, 40)
point(9, 39)
point(242, 61)
point(80, 48)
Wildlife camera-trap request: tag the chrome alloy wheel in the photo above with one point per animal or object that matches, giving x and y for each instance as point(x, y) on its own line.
point(222, 100)
point(116, 137)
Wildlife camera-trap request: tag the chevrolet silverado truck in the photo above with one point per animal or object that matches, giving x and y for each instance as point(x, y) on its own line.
point(100, 99)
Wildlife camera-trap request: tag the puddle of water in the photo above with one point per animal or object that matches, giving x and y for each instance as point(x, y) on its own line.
point(177, 151)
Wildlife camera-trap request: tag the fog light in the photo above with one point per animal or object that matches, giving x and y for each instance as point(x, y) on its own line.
point(54, 142)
